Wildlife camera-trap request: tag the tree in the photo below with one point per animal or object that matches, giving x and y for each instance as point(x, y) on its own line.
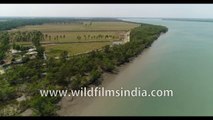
point(16, 47)
point(25, 59)
point(50, 63)
point(20, 74)
point(95, 74)
point(2, 55)
point(46, 36)
point(88, 36)
point(63, 75)
point(99, 36)
point(79, 37)
point(63, 56)
point(49, 37)
point(37, 36)
point(40, 51)
point(4, 44)
point(106, 36)
point(75, 84)
point(107, 49)
point(7, 92)
point(85, 37)
point(44, 106)
point(108, 65)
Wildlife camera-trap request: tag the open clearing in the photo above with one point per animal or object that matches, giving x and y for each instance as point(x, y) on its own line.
point(74, 48)
point(76, 37)
point(95, 26)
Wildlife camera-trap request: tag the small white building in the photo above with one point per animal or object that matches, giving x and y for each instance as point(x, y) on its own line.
point(32, 53)
point(56, 58)
point(13, 51)
point(32, 49)
point(117, 43)
point(1, 71)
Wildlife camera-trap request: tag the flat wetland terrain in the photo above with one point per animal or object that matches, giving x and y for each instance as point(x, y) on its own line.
point(74, 48)
point(85, 26)
point(76, 37)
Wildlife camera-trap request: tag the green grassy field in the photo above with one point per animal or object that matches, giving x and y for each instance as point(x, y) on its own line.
point(79, 27)
point(86, 32)
point(74, 48)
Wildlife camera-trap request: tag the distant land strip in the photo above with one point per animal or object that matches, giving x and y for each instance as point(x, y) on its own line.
point(189, 19)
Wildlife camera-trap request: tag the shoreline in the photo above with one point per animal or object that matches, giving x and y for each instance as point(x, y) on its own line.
point(74, 106)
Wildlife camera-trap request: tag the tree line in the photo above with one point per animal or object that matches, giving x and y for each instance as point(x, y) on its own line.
point(99, 36)
point(11, 23)
point(26, 36)
point(80, 37)
point(4, 44)
point(49, 37)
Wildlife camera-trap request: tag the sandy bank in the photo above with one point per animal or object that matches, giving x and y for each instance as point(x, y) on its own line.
point(73, 106)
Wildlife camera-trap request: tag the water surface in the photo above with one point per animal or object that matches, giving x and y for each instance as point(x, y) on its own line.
point(181, 60)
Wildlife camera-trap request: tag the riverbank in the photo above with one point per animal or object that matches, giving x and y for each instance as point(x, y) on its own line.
point(75, 106)
point(73, 73)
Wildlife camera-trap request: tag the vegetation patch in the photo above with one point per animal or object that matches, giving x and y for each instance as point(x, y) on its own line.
point(67, 72)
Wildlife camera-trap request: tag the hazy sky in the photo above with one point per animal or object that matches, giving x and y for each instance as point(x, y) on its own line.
point(108, 10)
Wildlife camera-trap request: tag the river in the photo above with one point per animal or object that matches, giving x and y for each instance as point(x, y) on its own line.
point(180, 60)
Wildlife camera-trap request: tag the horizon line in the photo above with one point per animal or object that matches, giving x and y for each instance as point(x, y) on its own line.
point(98, 17)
